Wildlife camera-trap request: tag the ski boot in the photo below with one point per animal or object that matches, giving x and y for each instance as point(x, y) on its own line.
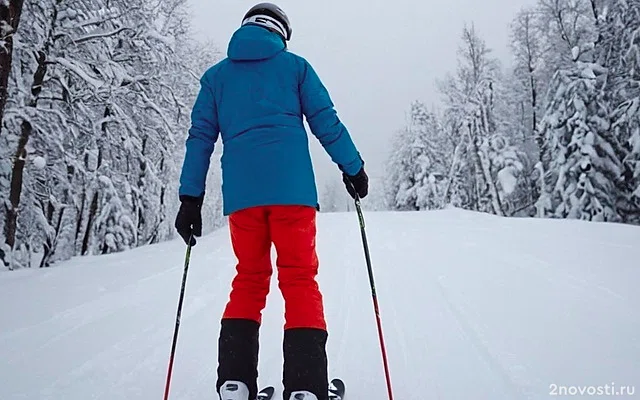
point(303, 395)
point(234, 390)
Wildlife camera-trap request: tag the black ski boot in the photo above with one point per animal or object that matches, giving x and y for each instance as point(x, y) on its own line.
point(305, 363)
point(238, 354)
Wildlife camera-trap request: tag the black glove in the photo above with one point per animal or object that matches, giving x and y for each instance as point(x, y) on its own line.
point(189, 218)
point(359, 183)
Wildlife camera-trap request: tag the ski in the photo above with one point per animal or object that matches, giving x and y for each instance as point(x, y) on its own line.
point(266, 393)
point(336, 389)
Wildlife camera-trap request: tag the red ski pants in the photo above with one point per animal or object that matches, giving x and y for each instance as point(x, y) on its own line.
point(292, 229)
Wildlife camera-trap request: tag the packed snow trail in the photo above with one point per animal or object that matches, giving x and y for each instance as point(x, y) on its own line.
point(473, 307)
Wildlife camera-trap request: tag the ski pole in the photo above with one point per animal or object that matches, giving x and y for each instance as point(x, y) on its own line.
point(175, 332)
point(373, 292)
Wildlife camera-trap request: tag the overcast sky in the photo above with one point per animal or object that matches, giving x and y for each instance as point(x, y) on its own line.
point(375, 57)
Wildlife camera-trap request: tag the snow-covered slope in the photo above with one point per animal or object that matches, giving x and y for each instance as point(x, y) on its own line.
point(473, 307)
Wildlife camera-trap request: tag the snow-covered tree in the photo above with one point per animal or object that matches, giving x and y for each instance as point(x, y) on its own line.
point(105, 103)
point(581, 165)
point(466, 157)
point(418, 164)
point(589, 167)
point(619, 50)
point(198, 57)
point(527, 46)
point(334, 197)
point(10, 11)
point(568, 28)
point(376, 200)
point(561, 130)
point(470, 114)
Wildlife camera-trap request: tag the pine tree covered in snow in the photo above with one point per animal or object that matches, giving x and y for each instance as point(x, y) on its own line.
point(418, 164)
point(92, 126)
point(619, 51)
point(580, 165)
point(590, 123)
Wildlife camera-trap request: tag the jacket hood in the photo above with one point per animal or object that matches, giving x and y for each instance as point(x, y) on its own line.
point(252, 43)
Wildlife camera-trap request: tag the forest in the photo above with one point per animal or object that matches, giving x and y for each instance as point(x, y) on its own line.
point(95, 101)
point(555, 135)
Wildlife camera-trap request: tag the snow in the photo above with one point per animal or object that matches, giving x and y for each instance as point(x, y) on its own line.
point(168, 41)
point(68, 13)
point(507, 180)
point(575, 53)
point(98, 34)
point(473, 306)
point(5, 29)
point(73, 67)
point(588, 73)
point(105, 180)
point(39, 162)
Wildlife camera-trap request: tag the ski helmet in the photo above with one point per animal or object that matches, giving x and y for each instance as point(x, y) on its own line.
point(271, 17)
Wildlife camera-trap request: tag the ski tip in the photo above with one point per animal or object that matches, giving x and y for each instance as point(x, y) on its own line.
point(338, 383)
point(336, 389)
point(266, 392)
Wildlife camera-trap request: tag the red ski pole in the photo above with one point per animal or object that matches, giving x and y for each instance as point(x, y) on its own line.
point(175, 333)
point(373, 293)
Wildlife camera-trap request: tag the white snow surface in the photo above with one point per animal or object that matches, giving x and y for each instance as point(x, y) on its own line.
point(39, 162)
point(507, 180)
point(473, 306)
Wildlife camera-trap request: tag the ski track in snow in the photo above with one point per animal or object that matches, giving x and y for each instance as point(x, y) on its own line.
point(473, 307)
point(473, 337)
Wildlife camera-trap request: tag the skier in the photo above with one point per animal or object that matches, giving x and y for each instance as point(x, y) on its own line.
point(255, 99)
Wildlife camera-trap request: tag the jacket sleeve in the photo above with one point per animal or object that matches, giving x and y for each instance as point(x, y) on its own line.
point(324, 122)
point(200, 143)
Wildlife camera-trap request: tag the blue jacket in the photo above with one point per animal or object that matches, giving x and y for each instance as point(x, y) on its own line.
point(255, 99)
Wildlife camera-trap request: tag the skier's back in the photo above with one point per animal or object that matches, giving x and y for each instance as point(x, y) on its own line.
point(255, 99)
